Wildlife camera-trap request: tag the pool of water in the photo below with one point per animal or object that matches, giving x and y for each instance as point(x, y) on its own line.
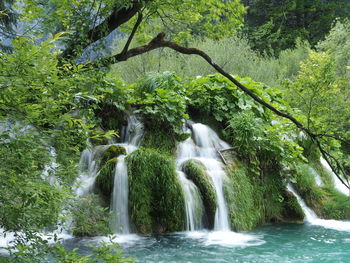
point(273, 243)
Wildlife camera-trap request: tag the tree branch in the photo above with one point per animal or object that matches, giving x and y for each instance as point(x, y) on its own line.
point(118, 17)
point(137, 24)
point(159, 42)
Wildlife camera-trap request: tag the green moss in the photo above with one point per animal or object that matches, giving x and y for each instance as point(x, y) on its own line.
point(326, 201)
point(160, 140)
point(335, 205)
point(292, 211)
point(195, 171)
point(105, 179)
point(322, 172)
point(112, 152)
point(306, 187)
point(89, 218)
point(240, 194)
point(156, 201)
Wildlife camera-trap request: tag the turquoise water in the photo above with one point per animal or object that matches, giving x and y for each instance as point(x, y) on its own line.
point(274, 243)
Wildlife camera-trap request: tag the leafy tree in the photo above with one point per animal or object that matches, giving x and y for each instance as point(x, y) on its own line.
point(8, 19)
point(273, 26)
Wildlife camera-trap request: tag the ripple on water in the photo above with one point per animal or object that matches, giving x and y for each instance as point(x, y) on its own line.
point(227, 238)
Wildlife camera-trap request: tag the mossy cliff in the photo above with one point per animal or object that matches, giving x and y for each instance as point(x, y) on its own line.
point(253, 200)
point(156, 202)
point(325, 200)
point(195, 171)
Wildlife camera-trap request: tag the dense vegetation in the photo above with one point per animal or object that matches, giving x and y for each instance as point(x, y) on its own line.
point(54, 103)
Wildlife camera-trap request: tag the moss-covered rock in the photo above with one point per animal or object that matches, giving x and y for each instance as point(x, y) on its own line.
point(292, 211)
point(306, 187)
point(90, 218)
point(325, 201)
point(335, 205)
point(111, 152)
point(159, 140)
point(196, 172)
point(156, 201)
point(105, 180)
point(240, 195)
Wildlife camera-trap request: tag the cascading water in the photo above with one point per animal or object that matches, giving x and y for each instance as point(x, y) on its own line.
point(204, 148)
point(313, 219)
point(193, 203)
point(119, 202)
point(337, 183)
point(89, 168)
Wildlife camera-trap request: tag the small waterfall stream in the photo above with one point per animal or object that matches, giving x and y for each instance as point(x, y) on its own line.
point(204, 149)
point(313, 219)
point(119, 203)
point(337, 183)
point(89, 168)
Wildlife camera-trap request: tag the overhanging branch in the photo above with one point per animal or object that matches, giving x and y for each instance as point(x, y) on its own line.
point(159, 41)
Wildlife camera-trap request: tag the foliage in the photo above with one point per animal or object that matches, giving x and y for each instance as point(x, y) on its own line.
point(336, 205)
point(104, 253)
point(196, 172)
point(273, 26)
point(337, 44)
point(318, 93)
point(160, 140)
point(89, 218)
point(113, 151)
point(211, 18)
point(233, 54)
point(217, 95)
point(307, 188)
point(27, 200)
point(155, 196)
point(292, 210)
point(161, 102)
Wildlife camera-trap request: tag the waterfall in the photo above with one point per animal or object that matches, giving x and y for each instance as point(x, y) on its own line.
point(88, 169)
point(313, 219)
point(193, 204)
point(89, 166)
point(204, 148)
point(119, 201)
point(317, 177)
point(337, 183)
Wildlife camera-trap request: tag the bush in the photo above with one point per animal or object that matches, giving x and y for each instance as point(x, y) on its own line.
point(89, 218)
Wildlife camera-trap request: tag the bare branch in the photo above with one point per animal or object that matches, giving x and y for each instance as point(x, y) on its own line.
point(137, 24)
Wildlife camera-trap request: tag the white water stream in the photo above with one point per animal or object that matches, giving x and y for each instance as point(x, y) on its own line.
point(337, 183)
point(204, 148)
point(313, 219)
point(89, 169)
